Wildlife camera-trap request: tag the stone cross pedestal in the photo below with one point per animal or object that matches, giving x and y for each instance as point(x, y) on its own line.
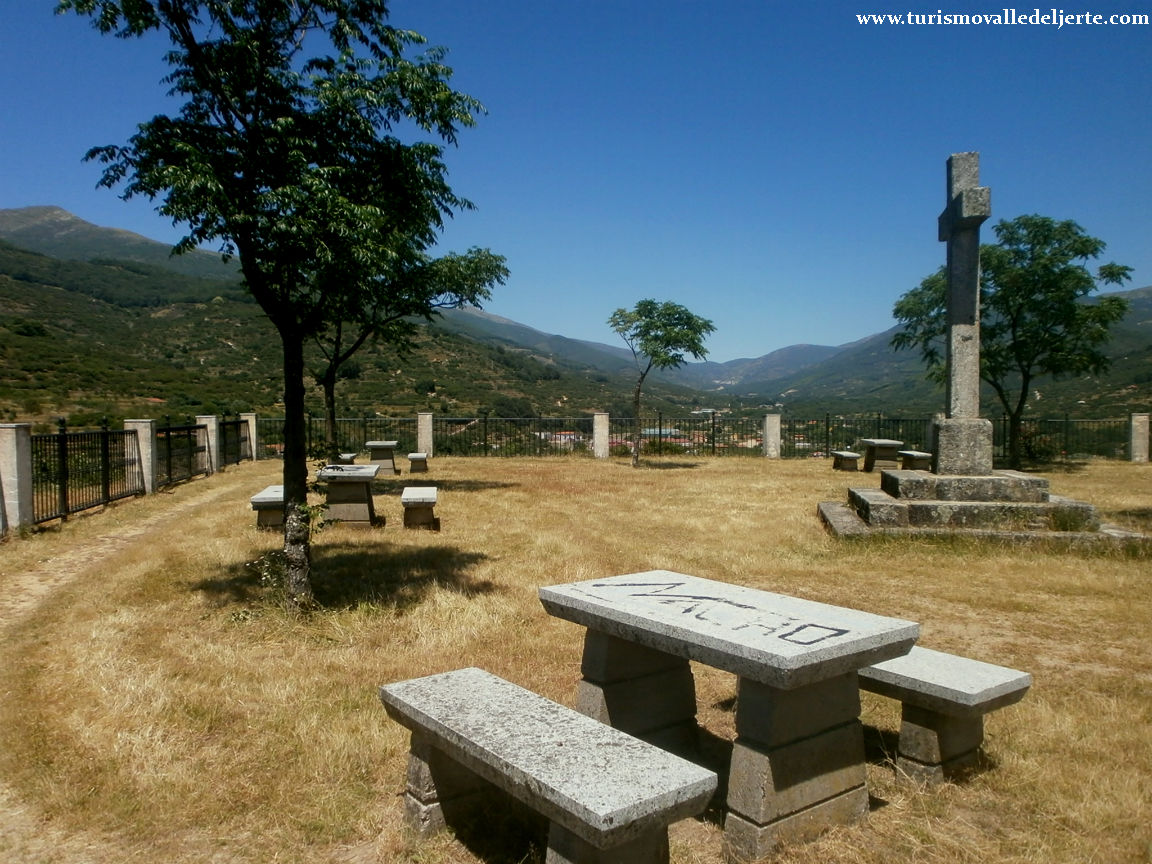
point(963, 492)
point(964, 441)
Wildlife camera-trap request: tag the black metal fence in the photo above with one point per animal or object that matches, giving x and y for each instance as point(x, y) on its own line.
point(234, 444)
point(506, 436)
point(75, 471)
point(352, 434)
point(1044, 440)
point(181, 453)
point(698, 435)
point(1061, 439)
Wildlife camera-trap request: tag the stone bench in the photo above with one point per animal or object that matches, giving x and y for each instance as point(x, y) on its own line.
point(346, 459)
point(417, 463)
point(915, 460)
point(844, 460)
point(944, 699)
point(419, 502)
point(609, 798)
point(269, 506)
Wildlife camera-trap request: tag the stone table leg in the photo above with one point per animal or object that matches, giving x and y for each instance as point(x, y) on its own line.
point(797, 764)
point(437, 783)
point(641, 691)
point(564, 847)
point(350, 502)
point(935, 746)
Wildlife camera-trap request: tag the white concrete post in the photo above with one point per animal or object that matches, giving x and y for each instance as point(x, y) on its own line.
point(1138, 437)
point(424, 433)
point(213, 435)
point(16, 493)
point(600, 435)
point(149, 455)
point(253, 443)
point(771, 437)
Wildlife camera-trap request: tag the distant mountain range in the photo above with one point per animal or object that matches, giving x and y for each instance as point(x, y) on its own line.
point(864, 375)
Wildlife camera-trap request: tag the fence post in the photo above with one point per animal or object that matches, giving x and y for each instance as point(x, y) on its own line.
point(105, 462)
point(424, 433)
point(1138, 426)
point(62, 467)
point(213, 436)
point(17, 507)
point(600, 435)
point(253, 444)
point(771, 436)
point(146, 445)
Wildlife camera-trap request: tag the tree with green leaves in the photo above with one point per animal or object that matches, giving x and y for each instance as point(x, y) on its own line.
point(391, 308)
point(659, 335)
point(284, 154)
point(1035, 316)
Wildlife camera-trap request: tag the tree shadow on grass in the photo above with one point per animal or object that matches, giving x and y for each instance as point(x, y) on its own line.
point(346, 575)
point(668, 466)
point(396, 485)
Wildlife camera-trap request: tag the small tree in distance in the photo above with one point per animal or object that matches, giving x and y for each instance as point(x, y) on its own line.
point(1034, 318)
point(659, 335)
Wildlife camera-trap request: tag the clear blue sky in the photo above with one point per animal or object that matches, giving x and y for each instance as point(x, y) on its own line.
point(775, 166)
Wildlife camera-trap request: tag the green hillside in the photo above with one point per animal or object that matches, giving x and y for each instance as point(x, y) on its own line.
point(56, 232)
point(87, 340)
point(97, 322)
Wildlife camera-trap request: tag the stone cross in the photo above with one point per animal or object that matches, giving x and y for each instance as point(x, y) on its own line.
point(967, 206)
point(963, 440)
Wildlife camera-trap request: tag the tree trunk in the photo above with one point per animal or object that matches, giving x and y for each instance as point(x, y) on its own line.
point(331, 444)
point(637, 433)
point(297, 520)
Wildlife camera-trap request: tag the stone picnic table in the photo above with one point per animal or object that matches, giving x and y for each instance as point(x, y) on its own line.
point(383, 453)
point(349, 496)
point(798, 760)
point(881, 453)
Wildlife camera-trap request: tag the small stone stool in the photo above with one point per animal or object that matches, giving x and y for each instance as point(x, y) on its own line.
point(944, 699)
point(346, 459)
point(269, 506)
point(417, 463)
point(844, 460)
point(419, 502)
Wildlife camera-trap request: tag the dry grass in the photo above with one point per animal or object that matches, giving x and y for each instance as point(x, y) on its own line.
point(155, 707)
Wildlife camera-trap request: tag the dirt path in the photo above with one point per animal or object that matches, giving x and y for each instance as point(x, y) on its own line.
point(25, 837)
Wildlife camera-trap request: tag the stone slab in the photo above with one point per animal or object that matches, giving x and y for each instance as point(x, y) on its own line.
point(998, 486)
point(946, 683)
point(382, 445)
point(1052, 515)
point(270, 498)
point(842, 521)
point(597, 782)
point(877, 507)
point(773, 638)
point(348, 473)
point(418, 495)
